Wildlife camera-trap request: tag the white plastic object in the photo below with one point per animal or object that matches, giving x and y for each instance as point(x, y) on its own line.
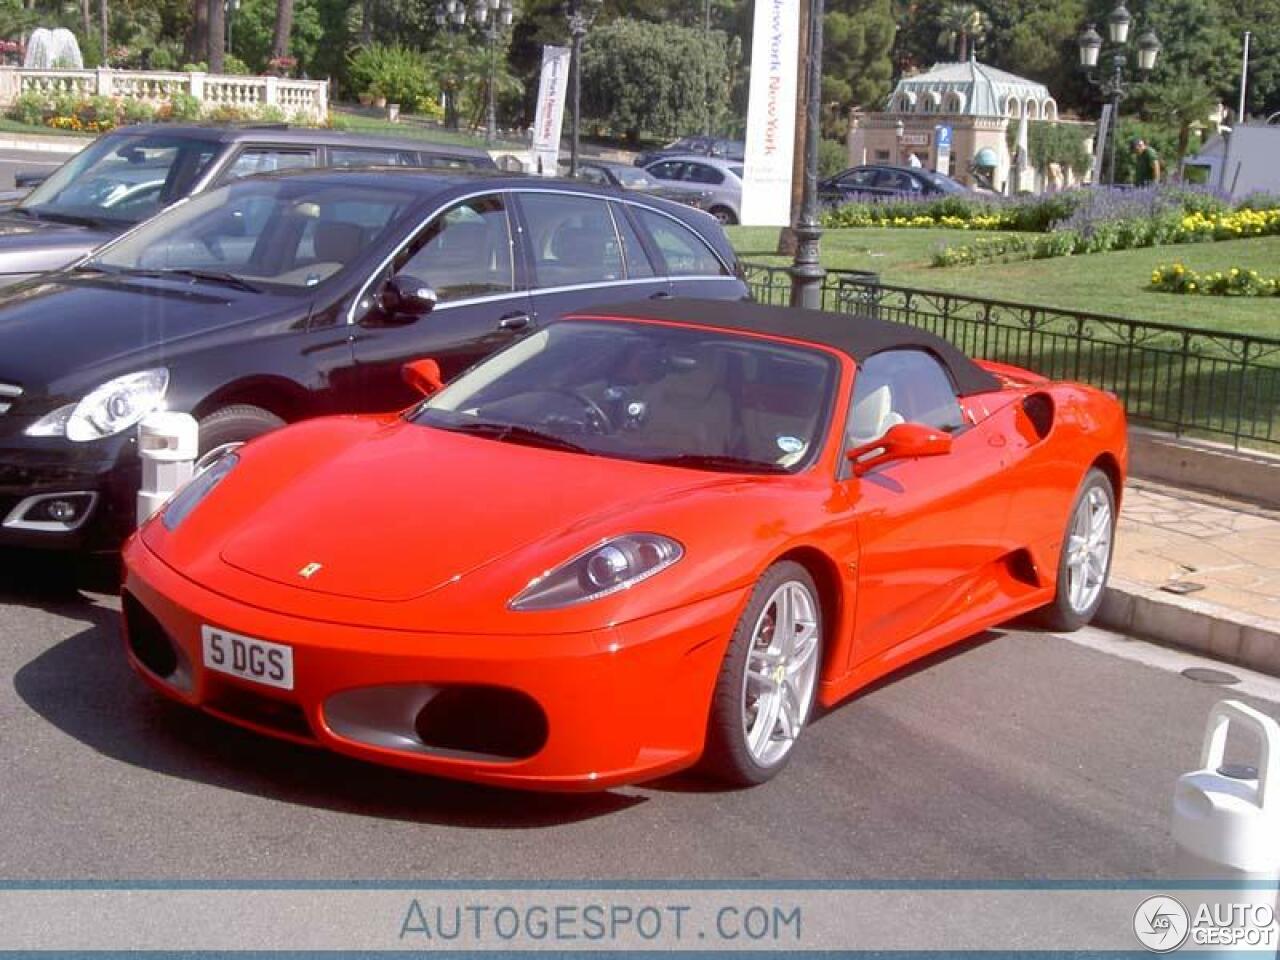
point(1232, 822)
point(168, 443)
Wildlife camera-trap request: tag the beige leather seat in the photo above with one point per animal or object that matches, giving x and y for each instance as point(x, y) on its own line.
point(872, 416)
point(689, 410)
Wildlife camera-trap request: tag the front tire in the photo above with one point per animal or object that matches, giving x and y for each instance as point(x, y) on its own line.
point(768, 680)
point(1085, 560)
point(227, 428)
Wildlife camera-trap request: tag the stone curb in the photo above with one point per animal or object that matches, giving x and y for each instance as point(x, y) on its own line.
point(33, 143)
point(1190, 624)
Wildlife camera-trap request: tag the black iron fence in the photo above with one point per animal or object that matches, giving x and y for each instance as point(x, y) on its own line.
point(1221, 386)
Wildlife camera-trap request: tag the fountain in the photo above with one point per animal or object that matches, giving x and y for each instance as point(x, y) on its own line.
point(53, 49)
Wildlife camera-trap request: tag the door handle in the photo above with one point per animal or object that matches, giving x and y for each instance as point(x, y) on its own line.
point(660, 295)
point(514, 322)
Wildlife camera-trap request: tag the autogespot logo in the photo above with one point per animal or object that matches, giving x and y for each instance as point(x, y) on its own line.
point(1161, 924)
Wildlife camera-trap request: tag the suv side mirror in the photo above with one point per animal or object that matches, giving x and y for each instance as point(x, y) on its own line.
point(905, 441)
point(406, 297)
point(424, 376)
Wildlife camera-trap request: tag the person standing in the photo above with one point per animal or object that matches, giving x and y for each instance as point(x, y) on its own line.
point(1146, 163)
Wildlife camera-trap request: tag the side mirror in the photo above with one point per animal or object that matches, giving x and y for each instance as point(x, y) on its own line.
point(906, 441)
point(424, 376)
point(407, 297)
point(28, 179)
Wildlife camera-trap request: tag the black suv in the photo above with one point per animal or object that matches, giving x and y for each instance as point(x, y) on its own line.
point(287, 296)
point(133, 173)
point(734, 150)
point(886, 180)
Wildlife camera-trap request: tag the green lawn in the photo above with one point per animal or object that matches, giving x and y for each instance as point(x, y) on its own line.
point(359, 121)
point(13, 126)
point(1110, 283)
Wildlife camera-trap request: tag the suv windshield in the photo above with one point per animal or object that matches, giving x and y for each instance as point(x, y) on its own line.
point(121, 179)
point(262, 232)
point(651, 392)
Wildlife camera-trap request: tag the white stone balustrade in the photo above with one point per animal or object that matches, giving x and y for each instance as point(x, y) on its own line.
point(307, 97)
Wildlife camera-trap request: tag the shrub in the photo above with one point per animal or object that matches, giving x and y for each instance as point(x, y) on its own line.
point(270, 113)
point(29, 108)
point(137, 111)
point(396, 72)
point(1221, 283)
point(832, 157)
point(183, 107)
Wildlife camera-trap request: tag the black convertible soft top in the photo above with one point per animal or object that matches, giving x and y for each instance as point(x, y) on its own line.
point(858, 336)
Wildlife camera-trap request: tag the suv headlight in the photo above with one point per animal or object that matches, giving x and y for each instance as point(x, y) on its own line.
point(112, 408)
point(611, 566)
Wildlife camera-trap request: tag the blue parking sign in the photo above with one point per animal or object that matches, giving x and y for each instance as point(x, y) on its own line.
point(943, 136)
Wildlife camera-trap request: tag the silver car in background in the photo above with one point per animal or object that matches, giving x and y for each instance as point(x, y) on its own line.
point(721, 181)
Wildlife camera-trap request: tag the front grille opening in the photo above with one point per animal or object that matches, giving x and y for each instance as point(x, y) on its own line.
point(148, 639)
point(492, 721)
point(287, 718)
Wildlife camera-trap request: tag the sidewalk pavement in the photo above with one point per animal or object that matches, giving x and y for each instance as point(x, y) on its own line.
point(1225, 553)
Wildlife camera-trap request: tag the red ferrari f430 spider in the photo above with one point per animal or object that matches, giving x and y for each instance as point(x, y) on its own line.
point(632, 541)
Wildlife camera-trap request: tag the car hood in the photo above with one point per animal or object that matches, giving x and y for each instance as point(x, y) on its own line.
point(59, 331)
point(410, 509)
point(34, 246)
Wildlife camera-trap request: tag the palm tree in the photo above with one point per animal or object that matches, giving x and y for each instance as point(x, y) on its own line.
point(284, 23)
point(961, 23)
point(1186, 102)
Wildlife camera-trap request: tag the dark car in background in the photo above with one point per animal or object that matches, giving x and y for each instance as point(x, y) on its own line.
point(130, 174)
point(886, 180)
point(720, 181)
point(734, 150)
point(627, 177)
point(282, 297)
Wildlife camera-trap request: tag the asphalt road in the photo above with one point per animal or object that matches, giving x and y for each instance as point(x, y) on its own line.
point(16, 161)
point(1020, 755)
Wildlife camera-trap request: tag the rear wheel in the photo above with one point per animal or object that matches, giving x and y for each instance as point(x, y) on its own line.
point(225, 429)
point(724, 215)
point(1085, 560)
point(765, 691)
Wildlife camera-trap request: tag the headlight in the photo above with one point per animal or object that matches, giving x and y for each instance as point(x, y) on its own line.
point(113, 408)
point(604, 569)
point(200, 486)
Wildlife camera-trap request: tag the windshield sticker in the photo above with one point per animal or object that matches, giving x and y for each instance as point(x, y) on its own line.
point(790, 444)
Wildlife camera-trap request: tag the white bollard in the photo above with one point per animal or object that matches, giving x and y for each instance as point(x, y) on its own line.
point(168, 443)
point(1226, 820)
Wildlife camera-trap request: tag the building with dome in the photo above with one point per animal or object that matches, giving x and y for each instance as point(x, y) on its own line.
point(954, 119)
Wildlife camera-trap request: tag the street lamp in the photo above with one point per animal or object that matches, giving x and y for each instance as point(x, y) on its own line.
point(451, 16)
point(1115, 85)
point(580, 14)
point(806, 269)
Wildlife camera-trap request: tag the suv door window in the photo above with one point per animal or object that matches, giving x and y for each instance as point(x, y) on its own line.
point(573, 240)
point(858, 179)
point(901, 386)
point(464, 252)
point(253, 160)
point(898, 182)
point(637, 261)
point(370, 157)
point(685, 253)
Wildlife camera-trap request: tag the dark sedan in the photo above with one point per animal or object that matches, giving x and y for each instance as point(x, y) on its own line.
point(283, 297)
point(626, 177)
point(131, 174)
point(718, 147)
point(886, 180)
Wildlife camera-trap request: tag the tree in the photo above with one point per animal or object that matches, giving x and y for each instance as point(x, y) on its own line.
point(857, 63)
point(284, 23)
point(648, 78)
point(961, 24)
point(217, 35)
point(1182, 102)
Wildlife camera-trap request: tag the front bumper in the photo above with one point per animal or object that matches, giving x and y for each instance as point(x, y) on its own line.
point(621, 704)
point(108, 468)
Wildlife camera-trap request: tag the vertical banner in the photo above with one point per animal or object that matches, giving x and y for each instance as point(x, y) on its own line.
point(771, 114)
point(550, 116)
point(942, 139)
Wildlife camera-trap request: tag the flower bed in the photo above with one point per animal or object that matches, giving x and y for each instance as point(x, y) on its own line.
point(99, 114)
point(1235, 282)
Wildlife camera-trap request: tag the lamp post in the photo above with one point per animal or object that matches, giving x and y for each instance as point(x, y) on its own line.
point(806, 269)
point(1115, 85)
point(452, 16)
point(580, 14)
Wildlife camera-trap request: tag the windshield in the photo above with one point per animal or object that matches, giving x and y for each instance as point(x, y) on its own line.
point(266, 232)
point(635, 178)
point(945, 183)
point(121, 179)
point(651, 392)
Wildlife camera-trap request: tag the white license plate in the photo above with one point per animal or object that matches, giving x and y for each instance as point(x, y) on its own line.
point(241, 656)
